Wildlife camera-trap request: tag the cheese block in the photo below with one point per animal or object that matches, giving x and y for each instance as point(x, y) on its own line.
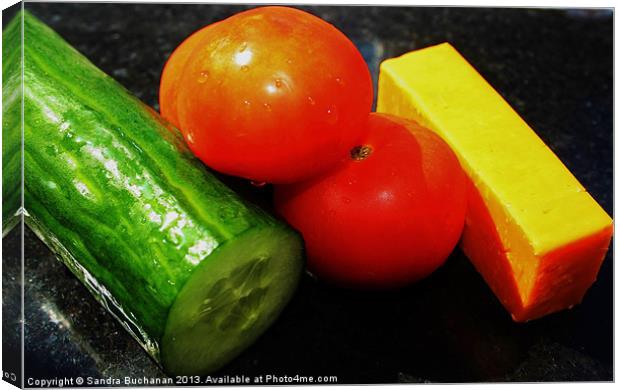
point(532, 230)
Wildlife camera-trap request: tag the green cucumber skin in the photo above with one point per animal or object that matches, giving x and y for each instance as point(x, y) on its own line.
point(115, 184)
point(11, 129)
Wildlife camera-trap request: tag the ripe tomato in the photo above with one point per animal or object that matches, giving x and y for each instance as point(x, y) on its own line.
point(388, 215)
point(170, 76)
point(271, 94)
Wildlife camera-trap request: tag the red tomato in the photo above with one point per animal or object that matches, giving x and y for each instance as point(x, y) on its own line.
point(388, 215)
point(272, 94)
point(170, 76)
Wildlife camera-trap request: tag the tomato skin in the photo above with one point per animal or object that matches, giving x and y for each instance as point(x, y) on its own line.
point(171, 74)
point(272, 94)
point(384, 221)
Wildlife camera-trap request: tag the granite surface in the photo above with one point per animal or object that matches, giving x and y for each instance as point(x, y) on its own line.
point(556, 69)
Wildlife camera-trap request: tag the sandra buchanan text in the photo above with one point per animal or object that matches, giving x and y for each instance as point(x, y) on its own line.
point(129, 381)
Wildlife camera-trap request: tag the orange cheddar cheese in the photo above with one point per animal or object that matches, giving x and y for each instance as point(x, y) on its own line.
point(533, 232)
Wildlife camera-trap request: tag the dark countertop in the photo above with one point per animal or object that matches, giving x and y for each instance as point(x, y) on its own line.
point(556, 69)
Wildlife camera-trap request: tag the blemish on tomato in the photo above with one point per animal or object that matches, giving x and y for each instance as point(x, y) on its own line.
point(361, 152)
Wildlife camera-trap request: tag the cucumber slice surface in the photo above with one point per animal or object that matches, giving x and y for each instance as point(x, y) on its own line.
point(231, 299)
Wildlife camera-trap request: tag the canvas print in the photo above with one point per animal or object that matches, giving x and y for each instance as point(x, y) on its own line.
point(245, 194)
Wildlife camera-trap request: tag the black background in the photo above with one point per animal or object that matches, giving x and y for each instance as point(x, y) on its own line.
point(554, 66)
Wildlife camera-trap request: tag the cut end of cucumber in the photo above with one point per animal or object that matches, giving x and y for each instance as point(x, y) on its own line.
point(231, 299)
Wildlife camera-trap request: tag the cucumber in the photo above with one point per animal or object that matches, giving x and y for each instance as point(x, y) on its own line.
point(191, 270)
point(11, 129)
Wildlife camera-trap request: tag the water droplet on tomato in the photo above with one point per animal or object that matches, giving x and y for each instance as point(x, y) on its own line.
point(204, 75)
point(243, 58)
point(278, 83)
point(267, 106)
point(289, 61)
point(332, 115)
point(339, 81)
point(247, 103)
point(243, 46)
point(245, 68)
point(311, 101)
